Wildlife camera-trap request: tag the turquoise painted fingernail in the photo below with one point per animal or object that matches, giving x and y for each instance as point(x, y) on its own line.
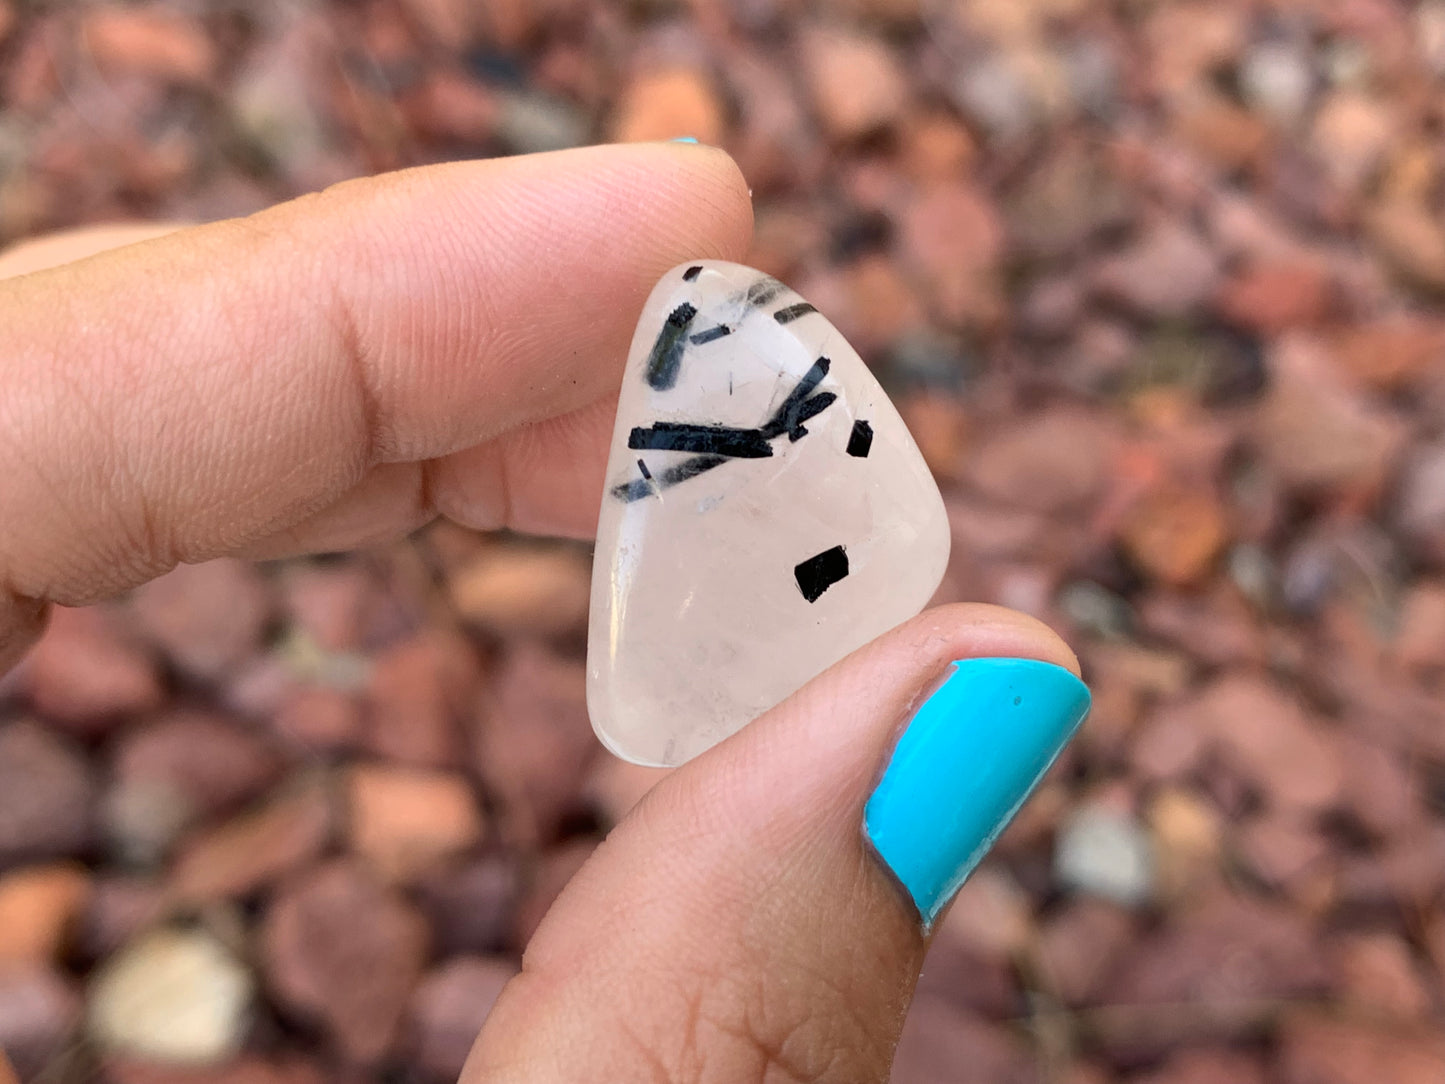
point(969, 758)
point(684, 139)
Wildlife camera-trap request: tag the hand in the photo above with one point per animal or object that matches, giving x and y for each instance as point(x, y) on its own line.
point(449, 341)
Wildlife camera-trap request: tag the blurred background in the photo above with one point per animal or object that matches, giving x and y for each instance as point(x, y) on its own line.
point(1156, 285)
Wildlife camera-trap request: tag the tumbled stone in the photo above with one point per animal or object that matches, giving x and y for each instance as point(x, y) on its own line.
point(39, 906)
point(45, 794)
point(256, 848)
point(339, 948)
point(449, 1007)
point(39, 1010)
point(173, 995)
point(208, 618)
point(86, 673)
point(405, 821)
point(765, 513)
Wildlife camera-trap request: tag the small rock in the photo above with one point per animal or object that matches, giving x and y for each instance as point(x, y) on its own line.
point(1268, 299)
point(420, 693)
point(554, 869)
point(1315, 1048)
point(1188, 41)
point(1049, 462)
point(938, 1039)
point(1277, 79)
point(1283, 853)
point(535, 742)
point(149, 40)
point(1187, 834)
point(1351, 135)
point(173, 995)
point(1053, 306)
point(1070, 199)
point(966, 971)
point(534, 123)
point(45, 795)
point(329, 603)
point(175, 773)
point(856, 81)
point(1095, 610)
point(1078, 947)
point(513, 589)
point(1011, 93)
point(39, 909)
point(991, 915)
point(1094, 71)
point(1223, 133)
point(39, 1013)
point(1429, 34)
point(1420, 503)
point(1169, 272)
point(276, 94)
point(453, 24)
point(1410, 238)
point(775, 141)
point(1105, 853)
point(952, 228)
point(1219, 628)
point(448, 106)
point(341, 949)
point(666, 104)
point(937, 148)
point(246, 1069)
point(86, 674)
point(1351, 563)
point(1265, 733)
point(1207, 1067)
point(1317, 432)
point(1174, 534)
point(470, 908)
point(254, 849)
point(614, 786)
point(119, 909)
point(1224, 949)
point(1380, 788)
point(939, 423)
point(1419, 646)
point(405, 821)
point(206, 617)
point(953, 238)
point(449, 1007)
point(261, 685)
point(202, 756)
point(1391, 353)
point(1378, 976)
point(320, 719)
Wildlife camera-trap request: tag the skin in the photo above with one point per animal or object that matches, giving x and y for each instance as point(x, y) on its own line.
point(448, 342)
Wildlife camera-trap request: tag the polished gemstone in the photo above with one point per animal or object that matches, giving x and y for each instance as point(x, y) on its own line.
point(766, 512)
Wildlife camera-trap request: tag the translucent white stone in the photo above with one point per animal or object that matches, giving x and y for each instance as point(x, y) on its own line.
point(766, 512)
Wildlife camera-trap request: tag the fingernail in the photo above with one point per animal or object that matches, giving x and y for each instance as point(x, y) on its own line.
point(684, 139)
point(969, 758)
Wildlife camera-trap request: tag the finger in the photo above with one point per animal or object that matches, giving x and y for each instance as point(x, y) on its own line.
point(198, 393)
point(749, 921)
point(55, 249)
point(544, 478)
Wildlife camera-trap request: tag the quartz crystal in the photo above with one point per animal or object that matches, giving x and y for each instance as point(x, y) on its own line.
point(766, 512)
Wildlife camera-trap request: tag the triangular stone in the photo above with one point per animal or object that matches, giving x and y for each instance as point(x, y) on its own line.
point(766, 512)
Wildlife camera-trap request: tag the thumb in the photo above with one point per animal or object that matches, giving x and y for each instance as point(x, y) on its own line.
point(762, 915)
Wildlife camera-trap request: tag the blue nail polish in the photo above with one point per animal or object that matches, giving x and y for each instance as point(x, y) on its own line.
point(684, 139)
point(970, 757)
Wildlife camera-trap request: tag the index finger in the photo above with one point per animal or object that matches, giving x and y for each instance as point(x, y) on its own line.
point(182, 398)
